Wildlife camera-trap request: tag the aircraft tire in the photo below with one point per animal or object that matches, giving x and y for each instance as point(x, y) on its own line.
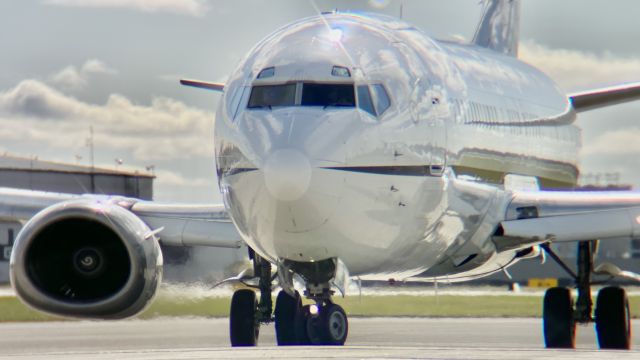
point(302, 318)
point(329, 327)
point(613, 320)
point(286, 312)
point(243, 327)
point(557, 315)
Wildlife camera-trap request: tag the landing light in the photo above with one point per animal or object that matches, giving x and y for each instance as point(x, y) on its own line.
point(313, 309)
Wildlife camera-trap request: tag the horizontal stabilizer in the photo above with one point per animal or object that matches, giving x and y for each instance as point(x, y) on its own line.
point(594, 99)
point(202, 84)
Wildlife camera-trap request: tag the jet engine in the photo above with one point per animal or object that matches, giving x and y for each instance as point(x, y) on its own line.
point(86, 258)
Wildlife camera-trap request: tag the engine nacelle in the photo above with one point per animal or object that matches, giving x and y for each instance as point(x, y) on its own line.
point(86, 258)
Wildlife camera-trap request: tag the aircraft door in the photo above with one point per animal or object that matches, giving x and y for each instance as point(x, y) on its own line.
point(428, 108)
point(438, 149)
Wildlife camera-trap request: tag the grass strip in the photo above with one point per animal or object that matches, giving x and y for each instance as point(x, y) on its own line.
point(12, 310)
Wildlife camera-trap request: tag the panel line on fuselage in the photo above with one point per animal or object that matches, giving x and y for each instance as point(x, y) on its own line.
point(402, 170)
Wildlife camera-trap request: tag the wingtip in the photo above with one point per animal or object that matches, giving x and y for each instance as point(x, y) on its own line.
point(203, 84)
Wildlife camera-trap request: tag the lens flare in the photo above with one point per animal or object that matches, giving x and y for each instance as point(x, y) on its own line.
point(335, 35)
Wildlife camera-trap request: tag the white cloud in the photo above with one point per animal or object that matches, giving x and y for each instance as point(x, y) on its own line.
point(182, 7)
point(615, 142)
point(171, 178)
point(610, 135)
point(74, 79)
point(165, 129)
point(95, 66)
point(576, 70)
point(38, 119)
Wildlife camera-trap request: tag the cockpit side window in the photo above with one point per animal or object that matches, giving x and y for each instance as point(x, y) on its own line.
point(364, 100)
point(315, 94)
point(272, 95)
point(373, 99)
point(381, 98)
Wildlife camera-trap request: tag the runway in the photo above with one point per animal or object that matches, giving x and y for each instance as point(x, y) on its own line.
point(199, 338)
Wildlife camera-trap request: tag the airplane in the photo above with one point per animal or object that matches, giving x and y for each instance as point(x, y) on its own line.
point(355, 145)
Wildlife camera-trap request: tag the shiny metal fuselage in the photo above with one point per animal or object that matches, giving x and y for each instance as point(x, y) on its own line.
point(417, 189)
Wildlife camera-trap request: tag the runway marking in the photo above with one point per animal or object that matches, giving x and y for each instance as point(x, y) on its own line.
point(345, 352)
point(378, 338)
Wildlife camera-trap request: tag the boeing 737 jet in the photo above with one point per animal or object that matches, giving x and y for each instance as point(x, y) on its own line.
point(355, 145)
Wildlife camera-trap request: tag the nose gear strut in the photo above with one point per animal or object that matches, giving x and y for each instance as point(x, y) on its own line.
point(321, 323)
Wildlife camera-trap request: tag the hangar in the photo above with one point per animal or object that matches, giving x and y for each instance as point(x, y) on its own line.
point(34, 174)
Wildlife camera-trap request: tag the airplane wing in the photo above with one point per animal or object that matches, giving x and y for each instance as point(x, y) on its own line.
point(203, 84)
point(598, 98)
point(173, 224)
point(562, 216)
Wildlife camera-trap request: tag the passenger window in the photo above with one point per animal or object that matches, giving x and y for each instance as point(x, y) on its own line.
point(328, 95)
point(364, 100)
point(272, 95)
point(381, 98)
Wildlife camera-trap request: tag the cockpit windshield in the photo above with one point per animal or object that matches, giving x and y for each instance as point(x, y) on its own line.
point(272, 95)
point(314, 94)
point(370, 98)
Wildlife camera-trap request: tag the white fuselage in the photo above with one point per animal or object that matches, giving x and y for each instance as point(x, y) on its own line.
point(416, 188)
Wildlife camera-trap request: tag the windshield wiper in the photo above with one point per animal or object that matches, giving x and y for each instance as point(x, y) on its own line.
point(337, 105)
point(260, 107)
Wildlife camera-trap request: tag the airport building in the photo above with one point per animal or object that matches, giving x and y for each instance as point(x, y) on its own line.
point(34, 174)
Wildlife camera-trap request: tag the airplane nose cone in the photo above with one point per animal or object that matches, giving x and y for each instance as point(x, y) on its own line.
point(287, 174)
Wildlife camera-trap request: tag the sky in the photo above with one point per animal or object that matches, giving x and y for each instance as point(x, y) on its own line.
point(114, 65)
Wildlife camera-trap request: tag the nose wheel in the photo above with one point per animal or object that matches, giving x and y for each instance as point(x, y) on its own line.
point(329, 326)
point(310, 324)
point(287, 313)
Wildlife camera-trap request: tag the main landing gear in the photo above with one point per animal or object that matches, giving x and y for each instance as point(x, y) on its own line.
point(247, 313)
point(560, 314)
point(321, 323)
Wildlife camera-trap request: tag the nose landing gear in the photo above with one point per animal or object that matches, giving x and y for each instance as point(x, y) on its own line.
point(329, 326)
point(322, 323)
